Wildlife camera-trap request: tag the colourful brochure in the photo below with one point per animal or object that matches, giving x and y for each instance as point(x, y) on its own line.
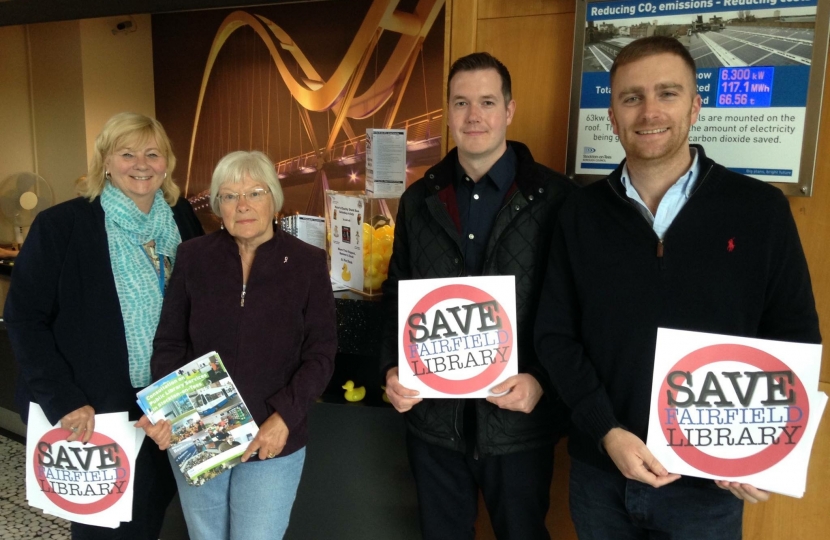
point(212, 426)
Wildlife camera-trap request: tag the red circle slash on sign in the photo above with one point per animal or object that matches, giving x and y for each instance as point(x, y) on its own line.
point(731, 467)
point(457, 386)
point(97, 439)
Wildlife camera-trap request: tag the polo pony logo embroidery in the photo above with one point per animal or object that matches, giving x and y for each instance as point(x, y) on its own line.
point(730, 245)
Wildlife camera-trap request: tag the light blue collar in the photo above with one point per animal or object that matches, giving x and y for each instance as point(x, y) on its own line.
point(674, 199)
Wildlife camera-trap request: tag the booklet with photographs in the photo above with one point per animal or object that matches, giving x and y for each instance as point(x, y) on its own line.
point(211, 424)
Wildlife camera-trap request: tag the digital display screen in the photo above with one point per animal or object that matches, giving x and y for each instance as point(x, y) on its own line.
point(745, 86)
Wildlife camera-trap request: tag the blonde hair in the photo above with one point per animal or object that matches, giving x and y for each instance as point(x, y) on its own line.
point(235, 166)
point(128, 129)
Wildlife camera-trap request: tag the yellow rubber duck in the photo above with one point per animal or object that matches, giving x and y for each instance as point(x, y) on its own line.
point(345, 274)
point(352, 393)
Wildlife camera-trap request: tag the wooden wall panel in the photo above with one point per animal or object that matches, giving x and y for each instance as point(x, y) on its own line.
point(537, 50)
point(492, 9)
point(812, 215)
point(463, 21)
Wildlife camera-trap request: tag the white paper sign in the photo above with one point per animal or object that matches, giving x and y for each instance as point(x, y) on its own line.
point(457, 337)
point(86, 483)
point(738, 409)
point(346, 240)
point(385, 162)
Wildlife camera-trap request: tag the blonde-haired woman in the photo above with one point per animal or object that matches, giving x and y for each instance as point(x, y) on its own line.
point(86, 295)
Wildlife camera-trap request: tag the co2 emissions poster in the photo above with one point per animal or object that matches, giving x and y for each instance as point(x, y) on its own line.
point(753, 62)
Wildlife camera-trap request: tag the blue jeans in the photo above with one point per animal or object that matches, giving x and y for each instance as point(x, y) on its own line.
point(606, 505)
point(252, 501)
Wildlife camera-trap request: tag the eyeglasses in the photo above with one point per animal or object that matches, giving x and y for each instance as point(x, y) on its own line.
point(254, 196)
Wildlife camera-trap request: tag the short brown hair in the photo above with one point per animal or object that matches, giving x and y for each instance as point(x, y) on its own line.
point(478, 61)
point(650, 46)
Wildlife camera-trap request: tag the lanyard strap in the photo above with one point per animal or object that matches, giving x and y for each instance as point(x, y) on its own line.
point(160, 272)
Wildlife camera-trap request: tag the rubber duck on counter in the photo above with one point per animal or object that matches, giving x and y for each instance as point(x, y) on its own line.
point(345, 274)
point(352, 393)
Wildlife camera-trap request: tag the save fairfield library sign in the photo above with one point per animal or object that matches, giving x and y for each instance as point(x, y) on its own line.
point(457, 336)
point(88, 483)
point(736, 409)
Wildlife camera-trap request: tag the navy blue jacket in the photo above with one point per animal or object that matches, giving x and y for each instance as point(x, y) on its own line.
point(63, 315)
point(730, 263)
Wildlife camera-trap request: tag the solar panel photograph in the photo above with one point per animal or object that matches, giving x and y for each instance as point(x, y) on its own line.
point(735, 38)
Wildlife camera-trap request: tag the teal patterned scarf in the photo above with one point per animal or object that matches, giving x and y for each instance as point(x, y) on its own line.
point(136, 279)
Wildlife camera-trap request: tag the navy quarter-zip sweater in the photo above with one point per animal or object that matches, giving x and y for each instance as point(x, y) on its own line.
point(730, 263)
point(278, 348)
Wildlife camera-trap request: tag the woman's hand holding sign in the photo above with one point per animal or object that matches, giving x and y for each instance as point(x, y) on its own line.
point(517, 393)
point(81, 422)
point(400, 397)
point(634, 460)
point(745, 492)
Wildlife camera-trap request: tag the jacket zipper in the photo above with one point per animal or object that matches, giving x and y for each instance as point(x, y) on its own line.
point(661, 246)
point(487, 260)
point(242, 298)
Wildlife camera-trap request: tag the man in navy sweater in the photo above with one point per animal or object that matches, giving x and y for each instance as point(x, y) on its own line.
point(669, 239)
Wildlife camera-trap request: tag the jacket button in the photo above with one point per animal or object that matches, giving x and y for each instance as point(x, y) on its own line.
point(456, 260)
point(530, 197)
point(516, 208)
point(437, 188)
point(432, 176)
point(541, 190)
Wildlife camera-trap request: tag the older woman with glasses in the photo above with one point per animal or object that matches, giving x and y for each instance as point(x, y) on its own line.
point(262, 299)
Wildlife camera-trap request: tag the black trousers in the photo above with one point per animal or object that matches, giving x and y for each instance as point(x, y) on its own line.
point(153, 490)
point(516, 489)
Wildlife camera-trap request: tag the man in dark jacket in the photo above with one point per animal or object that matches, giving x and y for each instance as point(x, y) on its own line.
point(670, 239)
point(486, 209)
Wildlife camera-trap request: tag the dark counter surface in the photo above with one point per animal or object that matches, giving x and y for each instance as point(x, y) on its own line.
point(359, 324)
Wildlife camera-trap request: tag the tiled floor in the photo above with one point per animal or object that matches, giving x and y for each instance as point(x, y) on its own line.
point(18, 521)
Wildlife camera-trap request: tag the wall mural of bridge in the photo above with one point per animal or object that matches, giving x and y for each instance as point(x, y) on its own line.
point(300, 82)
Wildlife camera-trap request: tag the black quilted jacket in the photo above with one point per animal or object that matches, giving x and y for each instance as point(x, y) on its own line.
point(427, 245)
